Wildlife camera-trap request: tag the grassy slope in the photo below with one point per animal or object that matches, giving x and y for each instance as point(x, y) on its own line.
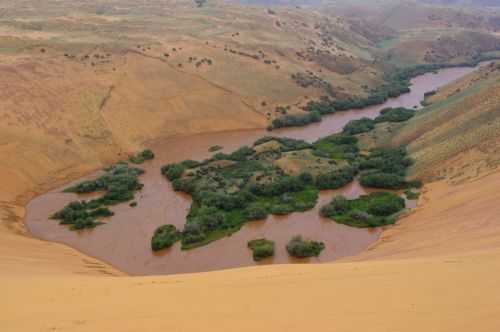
point(458, 136)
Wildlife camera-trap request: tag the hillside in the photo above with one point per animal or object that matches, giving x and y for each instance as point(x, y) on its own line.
point(455, 138)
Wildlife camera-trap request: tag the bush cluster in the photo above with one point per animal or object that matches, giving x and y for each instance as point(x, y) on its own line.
point(375, 209)
point(336, 179)
point(298, 247)
point(142, 157)
point(296, 120)
point(287, 144)
point(119, 183)
point(399, 114)
point(261, 248)
point(385, 169)
point(164, 237)
point(338, 146)
point(359, 126)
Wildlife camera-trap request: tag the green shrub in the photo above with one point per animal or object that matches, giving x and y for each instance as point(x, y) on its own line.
point(337, 146)
point(335, 179)
point(323, 106)
point(392, 161)
point(296, 120)
point(287, 144)
point(261, 248)
point(119, 183)
point(338, 205)
point(141, 157)
point(398, 114)
point(298, 247)
point(279, 186)
point(411, 194)
point(383, 181)
point(256, 212)
point(360, 126)
point(375, 209)
point(164, 237)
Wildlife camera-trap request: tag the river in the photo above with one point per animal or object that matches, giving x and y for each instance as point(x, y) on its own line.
point(124, 241)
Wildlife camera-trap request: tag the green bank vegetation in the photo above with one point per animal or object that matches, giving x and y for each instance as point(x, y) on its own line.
point(118, 184)
point(141, 157)
point(373, 210)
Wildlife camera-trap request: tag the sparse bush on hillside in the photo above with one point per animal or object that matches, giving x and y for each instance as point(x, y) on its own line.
point(323, 106)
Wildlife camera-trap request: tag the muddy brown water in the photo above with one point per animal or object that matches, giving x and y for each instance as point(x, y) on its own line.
point(124, 241)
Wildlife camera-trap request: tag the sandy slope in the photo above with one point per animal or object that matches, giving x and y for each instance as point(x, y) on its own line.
point(440, 294)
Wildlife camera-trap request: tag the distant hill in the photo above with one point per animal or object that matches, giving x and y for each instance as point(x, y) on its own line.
point(480, 3)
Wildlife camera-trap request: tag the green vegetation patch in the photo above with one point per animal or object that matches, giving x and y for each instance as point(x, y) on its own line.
point(118, 183)
point(364, 125)
point(412, 194)
point(296, 120)
point(280, 176)
point(164, 237)
point(386, 169)
point(300, 248)
point(399, 114)
point(261, 249)
point(337, 147)
point(229, 190)
point(373, 210)
point(141, 157)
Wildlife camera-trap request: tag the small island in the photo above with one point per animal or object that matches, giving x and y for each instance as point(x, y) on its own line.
point(373, 210)
point(118, 183)
point(301, 248)
point(261, 249)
